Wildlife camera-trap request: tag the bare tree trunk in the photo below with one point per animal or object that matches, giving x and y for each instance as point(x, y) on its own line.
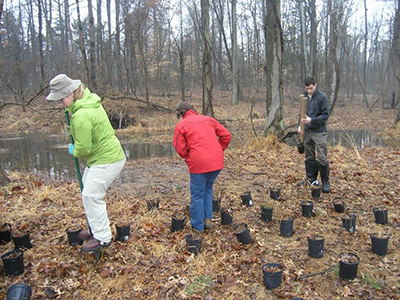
point(82, 45)
point(41, 55)
point(4, 180)
point(1, 8)
point(396, 62)
point(92, 46)
point(99, 35)
point(274, 97)
point(118, 45)
point(332, 78)
point(181, 58)
point(304, 55)
point(207, 61)
point(313, 38)
point(256, 47)
point(235, 74)
point(109, 48)
point(364, 82)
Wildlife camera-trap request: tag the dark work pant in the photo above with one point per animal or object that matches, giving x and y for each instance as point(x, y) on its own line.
point(315, 146)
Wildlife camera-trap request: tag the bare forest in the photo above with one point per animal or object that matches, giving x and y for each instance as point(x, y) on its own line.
point(258, 50)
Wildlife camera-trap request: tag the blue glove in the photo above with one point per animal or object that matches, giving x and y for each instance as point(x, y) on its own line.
point(71, 149)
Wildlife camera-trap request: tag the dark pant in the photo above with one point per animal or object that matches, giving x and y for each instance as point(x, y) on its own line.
point(316, 141)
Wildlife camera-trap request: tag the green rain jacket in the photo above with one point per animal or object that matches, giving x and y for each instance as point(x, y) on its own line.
point(94, 137)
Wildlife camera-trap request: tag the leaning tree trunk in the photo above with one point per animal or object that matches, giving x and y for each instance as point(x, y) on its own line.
point(273, 45)
point(207, 62)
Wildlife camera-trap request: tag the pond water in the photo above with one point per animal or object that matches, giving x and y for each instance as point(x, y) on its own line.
point(48, 156)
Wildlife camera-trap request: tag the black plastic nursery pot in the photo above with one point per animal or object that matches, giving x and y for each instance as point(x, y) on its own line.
point(381, 215)
point(178, 222)
point(246, 198)
point(5, 233)
point(266, 213)
point(23, 241)
point(315, 192)
point(307, 209)
point(216, 205)
point(348, 265)
point(123, 232)
point(286, 227)
point(379, 244)
point(226, 216)
point(275, 194)
point(19, 291)
point(193, 242)
point(316, 246)
point(242, 233)
point(73, 236)
point(13, 262)
point(338, 205)
point(349, 223)
point(272, 274)
point(153, 204)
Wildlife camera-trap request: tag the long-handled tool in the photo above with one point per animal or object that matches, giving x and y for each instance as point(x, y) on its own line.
point(96, 252)
point(71, 138)
point(303, 109)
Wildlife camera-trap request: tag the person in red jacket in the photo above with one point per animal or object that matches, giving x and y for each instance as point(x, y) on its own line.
point(201, 141)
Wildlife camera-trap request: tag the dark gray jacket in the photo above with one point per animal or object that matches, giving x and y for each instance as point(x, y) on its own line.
point(318, 111)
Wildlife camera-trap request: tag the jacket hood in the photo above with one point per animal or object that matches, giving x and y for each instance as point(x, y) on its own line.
point(89, 100)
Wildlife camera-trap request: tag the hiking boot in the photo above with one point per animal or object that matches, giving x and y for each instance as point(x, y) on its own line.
point(208, 224)
point(93, 244)
point(84, 235)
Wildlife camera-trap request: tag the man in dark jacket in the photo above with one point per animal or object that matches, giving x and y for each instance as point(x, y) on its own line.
point(315, 135)
point(201, 141)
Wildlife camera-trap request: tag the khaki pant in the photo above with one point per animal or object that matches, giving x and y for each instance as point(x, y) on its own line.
point(96, 181)
point(316, 141)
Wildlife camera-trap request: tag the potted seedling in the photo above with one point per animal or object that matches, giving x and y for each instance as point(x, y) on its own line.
point(266, 212)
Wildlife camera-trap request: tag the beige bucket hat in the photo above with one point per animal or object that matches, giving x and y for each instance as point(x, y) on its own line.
point(61, 86)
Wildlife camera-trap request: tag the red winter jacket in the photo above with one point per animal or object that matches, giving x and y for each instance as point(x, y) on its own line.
point(201, 140)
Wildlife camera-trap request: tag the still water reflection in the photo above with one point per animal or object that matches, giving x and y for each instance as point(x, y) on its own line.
point(48, 155)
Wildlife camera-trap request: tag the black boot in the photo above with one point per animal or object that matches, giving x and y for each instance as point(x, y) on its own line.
point(324, 171)
point(312, 168)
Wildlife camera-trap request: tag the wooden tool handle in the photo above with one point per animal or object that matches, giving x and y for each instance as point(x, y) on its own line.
point(303, 111)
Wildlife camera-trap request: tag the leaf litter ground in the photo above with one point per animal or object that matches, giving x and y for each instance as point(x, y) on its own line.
point(155, 263)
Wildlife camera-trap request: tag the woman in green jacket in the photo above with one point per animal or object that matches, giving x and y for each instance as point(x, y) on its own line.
point(95, 141)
